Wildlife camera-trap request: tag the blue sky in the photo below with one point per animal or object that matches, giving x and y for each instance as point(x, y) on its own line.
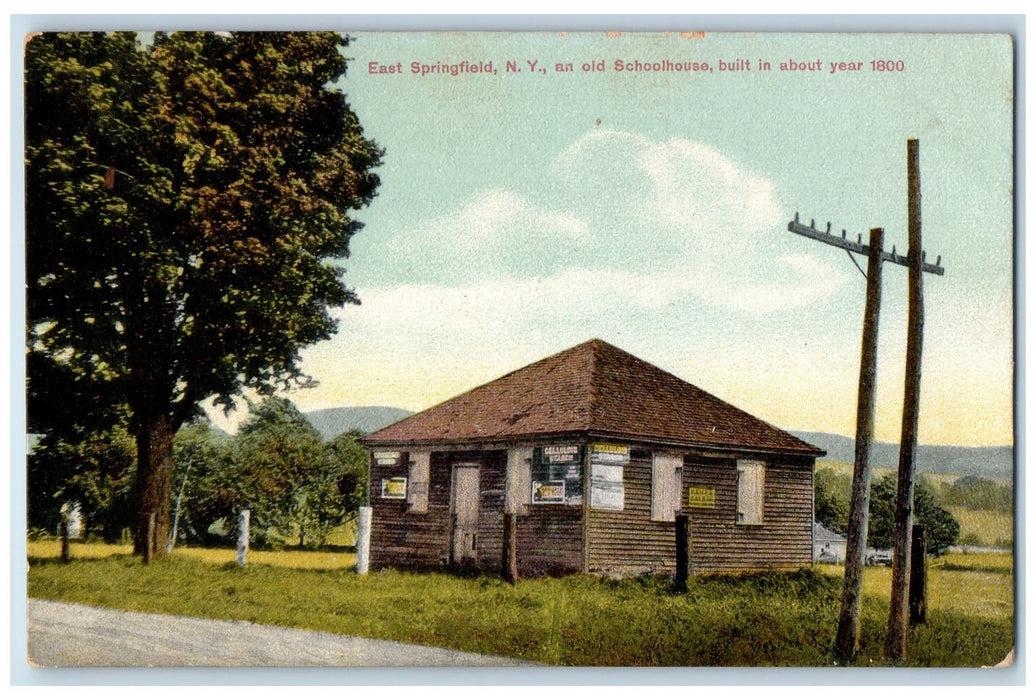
point(523, 213)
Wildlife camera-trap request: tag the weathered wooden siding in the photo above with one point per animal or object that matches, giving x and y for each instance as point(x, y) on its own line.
point(550, 540)
point(628, 541)
point(403, 539)
point(406, 540)
point(491, 510)
point(550, 536)
point(784, 540)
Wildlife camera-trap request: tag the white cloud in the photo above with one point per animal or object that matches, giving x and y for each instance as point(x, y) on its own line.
point(659, 221)
point(704, 194)
point(497, 233)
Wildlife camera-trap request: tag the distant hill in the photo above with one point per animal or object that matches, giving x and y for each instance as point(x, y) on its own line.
point(989, 462)
point(332, 422)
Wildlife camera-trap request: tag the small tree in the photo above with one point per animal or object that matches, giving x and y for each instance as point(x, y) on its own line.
point(941, 528)
point(831, 500)
point(282, 473)
point(95, 470)
point(205, 482)
point(348, 460)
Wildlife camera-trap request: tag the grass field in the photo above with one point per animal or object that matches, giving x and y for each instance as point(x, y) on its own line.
point(287, 559)
point(990, 527)
point(771, 619)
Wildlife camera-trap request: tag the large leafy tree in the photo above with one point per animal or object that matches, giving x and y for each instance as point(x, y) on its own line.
point(188, 198)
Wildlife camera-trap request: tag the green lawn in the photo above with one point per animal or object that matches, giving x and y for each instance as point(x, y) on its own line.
point(780, 619)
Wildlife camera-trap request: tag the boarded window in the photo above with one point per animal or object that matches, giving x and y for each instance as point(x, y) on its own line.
point(666, 473)
point(518, 480)
point(420, 466)
point(750, 483)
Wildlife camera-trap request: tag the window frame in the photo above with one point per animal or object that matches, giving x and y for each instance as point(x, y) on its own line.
point(750, 514)
point(419, 469)
point(666, 481)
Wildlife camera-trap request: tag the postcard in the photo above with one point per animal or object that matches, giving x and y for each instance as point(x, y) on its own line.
point(560, 348)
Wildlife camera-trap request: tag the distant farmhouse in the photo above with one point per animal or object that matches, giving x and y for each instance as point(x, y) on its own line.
point(828, 545)
point(594, 451)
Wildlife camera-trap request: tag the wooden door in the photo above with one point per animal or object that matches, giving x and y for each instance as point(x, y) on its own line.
point(465, 513)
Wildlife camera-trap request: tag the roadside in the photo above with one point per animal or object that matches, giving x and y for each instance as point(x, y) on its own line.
point(72, 635)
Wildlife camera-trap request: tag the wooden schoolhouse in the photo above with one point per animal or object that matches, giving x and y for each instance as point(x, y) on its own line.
point(589, 455)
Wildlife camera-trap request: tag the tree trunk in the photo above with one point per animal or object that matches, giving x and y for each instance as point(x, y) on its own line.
point(154, 484)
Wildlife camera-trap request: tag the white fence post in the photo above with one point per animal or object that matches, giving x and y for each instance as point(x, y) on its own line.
point(363, 540)
point(242, 536)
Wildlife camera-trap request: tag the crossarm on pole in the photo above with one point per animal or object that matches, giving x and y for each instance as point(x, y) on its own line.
point(858, 246)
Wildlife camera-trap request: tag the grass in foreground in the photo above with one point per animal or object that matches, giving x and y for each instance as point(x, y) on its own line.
point(757, 620)
point(286, 559)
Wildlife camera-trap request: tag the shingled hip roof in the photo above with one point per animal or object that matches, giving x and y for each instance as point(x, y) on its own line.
point(597, 389)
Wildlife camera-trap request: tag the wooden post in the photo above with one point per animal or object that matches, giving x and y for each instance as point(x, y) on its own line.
point(149, 548)
point(243, 523)
point(509, 556)
point(63, 529)
point(918, 577)
point(847, 637)
point(363, 539)
point(895, 638)
point(683, 553)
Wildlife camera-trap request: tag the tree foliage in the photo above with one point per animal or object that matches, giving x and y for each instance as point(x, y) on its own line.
point(204, 480)
point(298, 488)
point(831, 499)
point(188, 203)
point(978, 493)
point(280, 458)
point(95, 470)
point(941, 528)
point(347, 461)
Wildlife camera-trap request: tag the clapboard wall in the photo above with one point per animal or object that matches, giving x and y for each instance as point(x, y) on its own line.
point(400, 538)
point(628, 541)
point(555, 539)
point(784, 540)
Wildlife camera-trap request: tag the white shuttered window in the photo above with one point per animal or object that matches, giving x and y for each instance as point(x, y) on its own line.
point(666, 475)
point(750, 484)
point(518, 480)
point(420, 466)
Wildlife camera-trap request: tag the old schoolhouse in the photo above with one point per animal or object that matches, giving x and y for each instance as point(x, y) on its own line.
point(589, 454)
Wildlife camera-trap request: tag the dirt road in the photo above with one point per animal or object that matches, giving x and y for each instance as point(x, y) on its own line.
point(70, 635)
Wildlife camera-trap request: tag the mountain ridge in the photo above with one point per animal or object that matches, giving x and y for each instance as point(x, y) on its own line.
point(331, 422)
point(994, 462)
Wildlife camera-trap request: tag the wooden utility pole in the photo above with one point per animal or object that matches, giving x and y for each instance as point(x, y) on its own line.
point(64, 538)
point(847, 638)
point(895, 638)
